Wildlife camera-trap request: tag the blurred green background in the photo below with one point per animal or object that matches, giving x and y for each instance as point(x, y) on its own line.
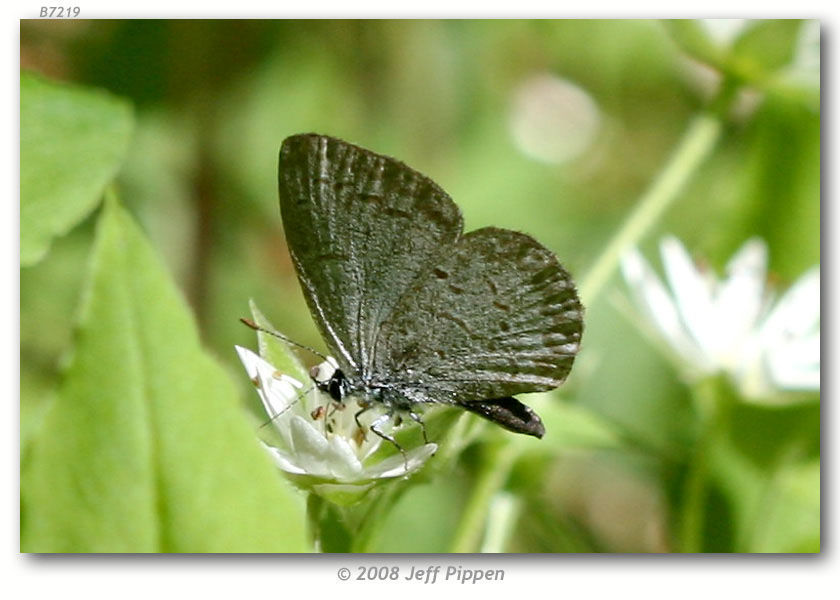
point(554, 128)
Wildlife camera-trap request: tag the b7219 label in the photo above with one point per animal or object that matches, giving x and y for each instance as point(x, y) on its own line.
point(60, 12)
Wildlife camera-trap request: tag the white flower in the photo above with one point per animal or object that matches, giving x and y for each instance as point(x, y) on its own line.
point(724, 32)
point(805, 66)
point(732, 325)
point(319, 441)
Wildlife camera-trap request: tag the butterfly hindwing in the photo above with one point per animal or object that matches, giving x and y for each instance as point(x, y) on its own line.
point(497, 316)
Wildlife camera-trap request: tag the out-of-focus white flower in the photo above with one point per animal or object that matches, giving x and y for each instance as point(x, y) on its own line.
point(724, 31)
point(733, 325)
point(319, 443)
point(805, 67)
point(552, 119)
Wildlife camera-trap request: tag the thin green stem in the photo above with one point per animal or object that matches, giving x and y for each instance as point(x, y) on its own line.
point(502, 517)
point(495, 468)
point(712, 402)
point(697, 142)
point(693, 512)
point(370, 526)
point(314, 510)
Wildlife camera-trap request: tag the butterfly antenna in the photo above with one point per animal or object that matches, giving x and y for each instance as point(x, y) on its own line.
point(280, 336)
point(280, 414)
point(290, 405)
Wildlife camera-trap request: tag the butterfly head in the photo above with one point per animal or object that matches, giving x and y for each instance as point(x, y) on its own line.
point(330, 379)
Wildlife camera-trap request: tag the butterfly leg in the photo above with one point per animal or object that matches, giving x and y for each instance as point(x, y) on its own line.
point(358, 414)
point(374, 427)
point(416, 418)
point(330, 409)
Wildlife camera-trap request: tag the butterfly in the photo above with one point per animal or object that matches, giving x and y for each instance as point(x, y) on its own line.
point(414, 310)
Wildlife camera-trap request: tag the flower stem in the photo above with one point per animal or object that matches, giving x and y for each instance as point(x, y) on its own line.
point(495, 467)
point(712, 402)
point(697, 142)
point(314, 510)
point(694, 502)
point(502, 517)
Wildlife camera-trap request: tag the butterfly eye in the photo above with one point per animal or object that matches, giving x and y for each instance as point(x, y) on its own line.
point(314, 373)
point(337, 386)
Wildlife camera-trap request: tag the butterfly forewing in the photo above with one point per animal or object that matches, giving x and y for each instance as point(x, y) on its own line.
point(361, 228)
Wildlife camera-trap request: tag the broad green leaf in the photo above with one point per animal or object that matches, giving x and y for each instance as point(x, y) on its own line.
point(49, 293)
point(145, 448)
point(765, 46)
point(37, 393)
point(72, 141)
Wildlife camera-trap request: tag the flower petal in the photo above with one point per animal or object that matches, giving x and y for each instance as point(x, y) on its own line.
point(799, 368)
point(653, 299)
point(282, 460)
point(791, 335)
point(342, 460)
point(798, 311)
point(739, 301)
point(397, 466)
point(693, 295)
point(331, 458)
point(309, 447)
point(277, 392)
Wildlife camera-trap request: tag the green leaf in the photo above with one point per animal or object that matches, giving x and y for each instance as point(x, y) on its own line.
point(146, 449)
point(773, 509)
point(767, 468)
point(694, 40)
point(754, 54)
point(275, 350)
point(765, 47)
point(72, 141)
point(780, 186)
point(790, 511)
